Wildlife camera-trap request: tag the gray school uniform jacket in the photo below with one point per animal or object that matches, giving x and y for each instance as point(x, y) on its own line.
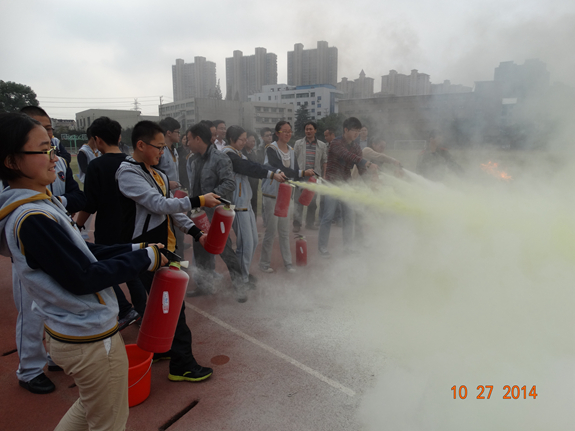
point(90, 155)
point(270, 186)
point(243, 193)
point(67, 278)
point(146, 208)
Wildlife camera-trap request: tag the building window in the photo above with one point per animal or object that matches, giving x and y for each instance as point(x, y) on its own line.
point(319, 105)
point(313, 110)
point(312, 94)
point(318, 98)
point(313, 102)
point(269, 97)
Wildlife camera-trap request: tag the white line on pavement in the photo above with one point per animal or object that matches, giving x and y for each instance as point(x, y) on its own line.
point(273, 351)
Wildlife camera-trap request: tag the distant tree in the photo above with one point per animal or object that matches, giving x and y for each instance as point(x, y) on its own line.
point(127, 136)
point(301, 117)
point(218, 94)
point(14, 96)
point(333, 122)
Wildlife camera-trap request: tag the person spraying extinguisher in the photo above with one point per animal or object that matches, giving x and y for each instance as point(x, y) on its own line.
point(280, 156)
point(244, 223)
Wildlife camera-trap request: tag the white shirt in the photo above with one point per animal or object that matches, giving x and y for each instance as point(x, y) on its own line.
point(219, 144)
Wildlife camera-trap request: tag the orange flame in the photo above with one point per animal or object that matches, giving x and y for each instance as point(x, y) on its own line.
point(491, 169)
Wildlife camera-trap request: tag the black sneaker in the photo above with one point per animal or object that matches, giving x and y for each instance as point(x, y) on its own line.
point(196, 374)
point(39, 385)
point(54, 368)
point(128, 319)
point(253, 279)
point(161, 357)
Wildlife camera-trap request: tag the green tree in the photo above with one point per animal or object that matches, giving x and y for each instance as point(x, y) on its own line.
point(301, 117)
point(218, 94)
point(333, 122)
point(14, 96)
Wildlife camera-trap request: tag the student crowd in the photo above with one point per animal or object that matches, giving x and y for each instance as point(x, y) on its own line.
point(68, 288)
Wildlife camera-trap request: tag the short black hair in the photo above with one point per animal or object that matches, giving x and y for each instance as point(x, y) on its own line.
point(34, 111)
point(313, 123)
point(216, 123)
point(352, 123)
point(202, 131)
point(252, 133)
point(14, 130)
point(145, 131)
point(233, 133)
point(169, 124)
point(208, 123)
point(265, 130)
point(280, 124)
point(330, 130)
point(89, 132)
point(106, 129)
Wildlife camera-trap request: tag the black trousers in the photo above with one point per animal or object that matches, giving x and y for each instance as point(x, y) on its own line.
point(138, 295)
point(181, 351)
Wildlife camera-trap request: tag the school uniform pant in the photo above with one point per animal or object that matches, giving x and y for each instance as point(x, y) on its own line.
point(100, 371)
point(206, 265)
point(298, 210)
point(29, 335)
point(330, 206)
point(275, 224)
point(244, 226)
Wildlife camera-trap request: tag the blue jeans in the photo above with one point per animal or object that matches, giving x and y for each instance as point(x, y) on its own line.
point(330, 205)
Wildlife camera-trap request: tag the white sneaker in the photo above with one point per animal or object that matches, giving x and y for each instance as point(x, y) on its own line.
point(290, 269)
point(267, 269)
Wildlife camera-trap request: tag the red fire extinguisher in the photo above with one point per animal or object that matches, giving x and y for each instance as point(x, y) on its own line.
point(163, 309)
point(180, 194)
point(282, 200)
point(301, 251)
point(201, 220)
point(307, 195)
point(219, 230)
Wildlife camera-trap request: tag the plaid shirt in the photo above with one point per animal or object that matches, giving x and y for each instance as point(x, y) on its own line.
point(341, 158)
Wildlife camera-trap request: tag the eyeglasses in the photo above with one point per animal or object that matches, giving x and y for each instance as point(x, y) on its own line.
point(51, 152)
point(162, 148)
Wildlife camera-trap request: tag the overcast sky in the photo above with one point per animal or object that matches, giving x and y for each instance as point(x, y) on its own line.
point(124, 49)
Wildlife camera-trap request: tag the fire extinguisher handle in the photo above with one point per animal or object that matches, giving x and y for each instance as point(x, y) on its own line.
point(172, 257)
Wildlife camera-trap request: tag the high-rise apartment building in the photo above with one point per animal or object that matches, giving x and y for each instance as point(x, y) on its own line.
point(197, 79)
point(246, 75)
point(312, 66)
point(361, 88)
point(398, 84)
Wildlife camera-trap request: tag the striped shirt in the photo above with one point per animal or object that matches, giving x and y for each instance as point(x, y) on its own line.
point(310, 148)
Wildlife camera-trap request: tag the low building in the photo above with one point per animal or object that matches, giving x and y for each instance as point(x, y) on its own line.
point(321, 100)
point(126, 118)
point(249, 115)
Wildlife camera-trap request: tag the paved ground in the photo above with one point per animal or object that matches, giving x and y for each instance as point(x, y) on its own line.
point(285, 360)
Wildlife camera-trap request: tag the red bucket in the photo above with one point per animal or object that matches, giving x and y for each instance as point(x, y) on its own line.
point(139, 374)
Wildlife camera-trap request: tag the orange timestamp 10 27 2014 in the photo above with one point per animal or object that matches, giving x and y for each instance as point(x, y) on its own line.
point(485, 391)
